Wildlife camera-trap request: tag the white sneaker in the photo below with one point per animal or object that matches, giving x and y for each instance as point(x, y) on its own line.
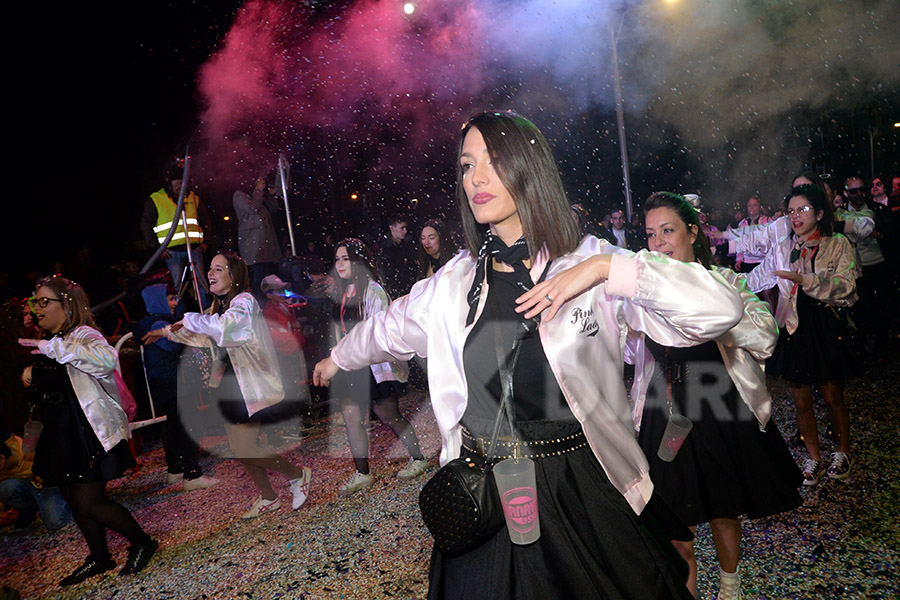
point(200, 483)
point(261, 506)
point(358, 481)
point(729, 586)
point(414, 468)
point(300, 488)
point(173, 478)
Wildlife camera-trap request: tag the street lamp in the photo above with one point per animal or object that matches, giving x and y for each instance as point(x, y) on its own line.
point(620, 116)
point(620, 109)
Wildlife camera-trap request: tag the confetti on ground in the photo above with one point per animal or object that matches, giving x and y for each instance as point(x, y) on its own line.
point(842, 543)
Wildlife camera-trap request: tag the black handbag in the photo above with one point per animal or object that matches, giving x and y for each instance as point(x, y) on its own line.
point(460, 503)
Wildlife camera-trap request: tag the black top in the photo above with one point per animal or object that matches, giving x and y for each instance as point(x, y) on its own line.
point(536, 393)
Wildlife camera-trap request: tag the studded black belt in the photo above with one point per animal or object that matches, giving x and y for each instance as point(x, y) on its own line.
point(509, 448)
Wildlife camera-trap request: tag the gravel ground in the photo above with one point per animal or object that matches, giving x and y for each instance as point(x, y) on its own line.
point(842, 543)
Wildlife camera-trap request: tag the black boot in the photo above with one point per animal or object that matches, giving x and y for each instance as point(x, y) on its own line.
point(91, 567)
point(138, 557)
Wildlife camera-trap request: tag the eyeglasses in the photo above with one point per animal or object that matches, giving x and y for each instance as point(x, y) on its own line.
point(855, 190)
point(44, 302)
point(799, 211)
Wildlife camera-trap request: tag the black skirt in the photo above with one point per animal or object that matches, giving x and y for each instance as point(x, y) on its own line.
point(68, 450)
point(592, 544)
point(823, 347)
point(362, 389)
point(229, 403)
point(726, 467)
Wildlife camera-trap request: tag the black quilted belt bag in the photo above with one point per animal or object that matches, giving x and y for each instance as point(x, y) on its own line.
point(460, 504)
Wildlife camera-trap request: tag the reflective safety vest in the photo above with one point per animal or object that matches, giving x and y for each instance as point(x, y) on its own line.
point(165, 214)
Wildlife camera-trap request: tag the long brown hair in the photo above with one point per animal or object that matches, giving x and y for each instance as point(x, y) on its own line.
point(75, 303)
point(363, 272)
point(240, 281)
point(524, 162)
point(447, 249)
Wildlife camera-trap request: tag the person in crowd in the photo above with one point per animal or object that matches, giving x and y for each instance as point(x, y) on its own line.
point(815, 271)
point(619, 234)
point(734, 461)
point(15, 322)
point(257, 242)
point(594, 494)
point(718, 245)
point(24, 491)
point(879, 190)
point(161, 360)
point(436, 248)
point(156, 222)
point(281, 314)
point(249, 383)
point(872, 311)
point(84, 442)
point(745, 262)
point(396, 258)
point(378, 386)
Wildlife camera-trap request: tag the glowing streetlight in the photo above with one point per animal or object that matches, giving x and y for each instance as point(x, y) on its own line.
point(409, 8)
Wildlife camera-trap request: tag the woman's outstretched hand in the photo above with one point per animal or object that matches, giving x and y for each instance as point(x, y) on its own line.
point(550, 295)
point(157, 334)
point(324, 372)
point(30, 343)
point(795, 277)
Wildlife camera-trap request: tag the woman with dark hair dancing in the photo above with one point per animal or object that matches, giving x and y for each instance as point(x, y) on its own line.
point(84, 442)
point(251, 380)
point(378, 386)
point(734, 460)
point(815, 271)
point(599, 536)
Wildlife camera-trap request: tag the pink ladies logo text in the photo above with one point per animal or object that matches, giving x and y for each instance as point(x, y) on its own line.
point(521, 509)
point(674, 444)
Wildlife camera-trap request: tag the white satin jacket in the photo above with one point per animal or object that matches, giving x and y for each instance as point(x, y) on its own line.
point(91, 364)
point(243, 332)
point(376, 301)
point(744, 349)
point(584, 343)
point(834, 280)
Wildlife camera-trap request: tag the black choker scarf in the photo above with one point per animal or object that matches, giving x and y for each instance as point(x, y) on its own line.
point(494, 248)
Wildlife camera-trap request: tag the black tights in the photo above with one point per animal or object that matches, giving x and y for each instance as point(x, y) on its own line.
point(388, 412)
point(95, 513)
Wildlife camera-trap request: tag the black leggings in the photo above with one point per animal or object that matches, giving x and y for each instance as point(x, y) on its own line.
point(95, 513)
point(388, 412)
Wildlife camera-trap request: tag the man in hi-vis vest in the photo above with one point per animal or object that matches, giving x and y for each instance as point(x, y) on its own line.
point(156, 221)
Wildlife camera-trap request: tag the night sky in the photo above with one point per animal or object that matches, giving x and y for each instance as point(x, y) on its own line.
point(726, 99)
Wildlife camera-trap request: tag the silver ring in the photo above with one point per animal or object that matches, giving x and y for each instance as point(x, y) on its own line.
point(549, 299)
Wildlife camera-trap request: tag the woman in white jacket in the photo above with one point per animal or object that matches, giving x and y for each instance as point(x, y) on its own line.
point(734, 461)
point(84, 442)
point(572, 414)
point(251, 380)
point(815, 271)
point(378, 386)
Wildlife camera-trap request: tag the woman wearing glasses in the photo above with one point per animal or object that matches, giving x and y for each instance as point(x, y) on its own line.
point(815, 271)
point(84, 441)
